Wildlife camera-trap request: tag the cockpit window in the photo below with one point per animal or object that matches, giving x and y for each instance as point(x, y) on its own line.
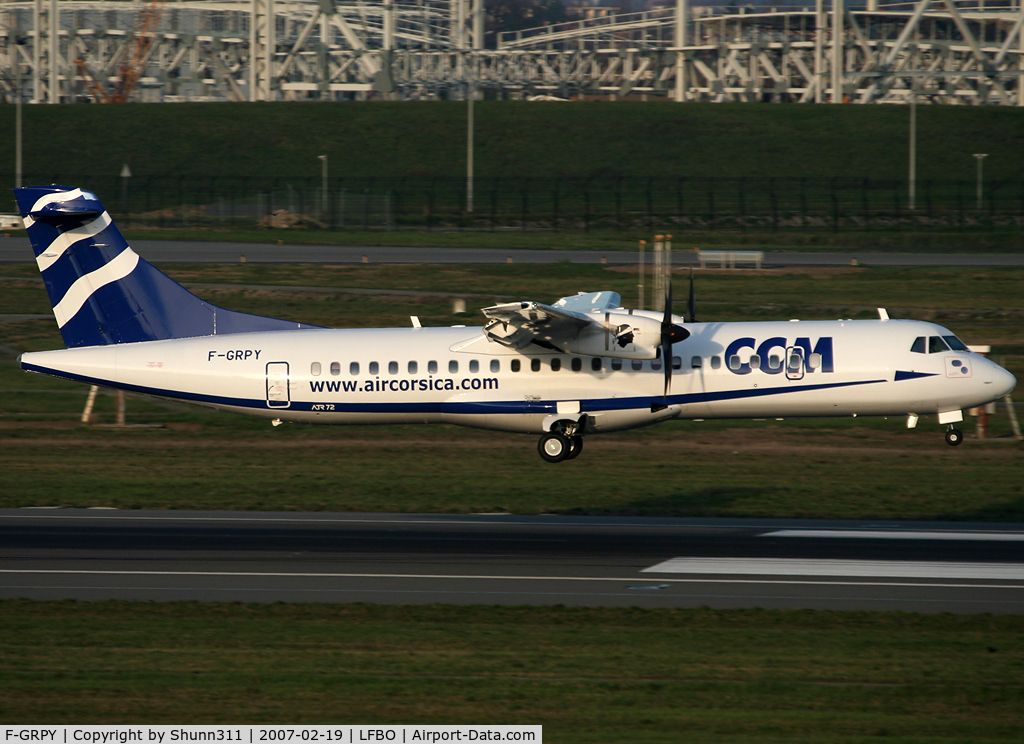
point(955, 344)
point(918, 347)
point(936, 344)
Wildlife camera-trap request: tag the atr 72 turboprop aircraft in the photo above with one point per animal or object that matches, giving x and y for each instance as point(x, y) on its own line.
point(580, 366)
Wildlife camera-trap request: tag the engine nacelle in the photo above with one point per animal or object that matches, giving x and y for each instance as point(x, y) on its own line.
point(618, 334)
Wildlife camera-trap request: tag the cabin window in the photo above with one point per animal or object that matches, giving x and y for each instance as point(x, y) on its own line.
point(595, 364)
point(495, 365)
point(734, 362)
point(535, 365)
point(774, 361)
point(695, 362)
point(616, 364)
point(637, 365)
point(556, 364)
point(374, 368)
point(515, 365)
point(413, 368)
point(918, 346)
point(474, 366)
point(432, 367)
point(453, 366)
point(392, 368)
point(677, 362)
point(656, 364)
point(795, 361)
point(353, 368)
point(716, 362)
point(936, 345)
point(955, 344)
point(577, 364)
point(755, 361)
point(335, 368)
point(314, 369)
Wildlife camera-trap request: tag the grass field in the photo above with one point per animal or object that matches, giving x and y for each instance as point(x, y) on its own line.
point(587, 675)
point(868, 468)
point(514, 139)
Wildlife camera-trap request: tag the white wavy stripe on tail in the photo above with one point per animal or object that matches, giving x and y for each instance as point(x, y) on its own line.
point(79, 292)
point(60, 196)
point(56, 249)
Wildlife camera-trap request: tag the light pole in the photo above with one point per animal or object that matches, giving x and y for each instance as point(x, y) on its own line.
point(323, 184)
point(981, 157)
point(913, 145)
point(469, 147)
point(19, 42)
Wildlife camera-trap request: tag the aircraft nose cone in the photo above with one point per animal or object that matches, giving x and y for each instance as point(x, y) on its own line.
point(1004, 382)
point(999, 382)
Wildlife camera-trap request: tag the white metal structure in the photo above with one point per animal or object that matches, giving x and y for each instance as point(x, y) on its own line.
point(945, 51)
point(581, 366)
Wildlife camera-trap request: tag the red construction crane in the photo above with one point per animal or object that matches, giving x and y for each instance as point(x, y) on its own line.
point(133, 63)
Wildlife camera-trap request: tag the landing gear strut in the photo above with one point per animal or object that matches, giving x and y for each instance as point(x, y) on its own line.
point(954, 436)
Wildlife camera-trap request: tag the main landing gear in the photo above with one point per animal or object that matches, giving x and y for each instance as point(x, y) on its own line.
point(954, 436)
point(556, 446)
point(563, 442)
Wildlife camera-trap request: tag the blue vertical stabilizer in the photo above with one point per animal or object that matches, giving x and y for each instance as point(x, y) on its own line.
point(101, 290)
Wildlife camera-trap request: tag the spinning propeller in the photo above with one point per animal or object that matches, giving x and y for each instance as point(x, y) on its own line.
point(671, 333)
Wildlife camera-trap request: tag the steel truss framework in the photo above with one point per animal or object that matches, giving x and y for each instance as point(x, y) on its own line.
point(940, 51)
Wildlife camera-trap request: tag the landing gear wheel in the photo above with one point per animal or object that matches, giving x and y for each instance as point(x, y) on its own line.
point(554, 447)
point(954, 437)
point(575, 447)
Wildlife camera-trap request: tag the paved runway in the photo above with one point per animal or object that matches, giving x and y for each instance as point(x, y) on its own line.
point(17, 250)
point(506, 559)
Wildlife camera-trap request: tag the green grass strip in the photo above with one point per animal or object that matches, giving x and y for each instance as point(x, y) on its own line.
point(586, 675)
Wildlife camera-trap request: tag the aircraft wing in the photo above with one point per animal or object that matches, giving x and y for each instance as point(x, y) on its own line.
point(518, 324)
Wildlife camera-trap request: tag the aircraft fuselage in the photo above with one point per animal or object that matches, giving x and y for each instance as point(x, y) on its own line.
point(456, 375)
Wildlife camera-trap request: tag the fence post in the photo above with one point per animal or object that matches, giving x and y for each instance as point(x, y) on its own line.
point(711, 202)
point(960, 200)
point(803, 201)
point(650, 201)
point(618, 202)
point(835, 207)
point(742, 213)
point(525, 206)
point(680, 202)
point(864, 204)
point(586, 209)
point(554, 205)
point(494, 204)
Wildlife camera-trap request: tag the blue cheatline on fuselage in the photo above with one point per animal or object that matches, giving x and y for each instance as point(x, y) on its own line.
point(592, 405)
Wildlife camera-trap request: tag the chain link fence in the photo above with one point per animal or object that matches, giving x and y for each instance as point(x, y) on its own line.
point(553, 204)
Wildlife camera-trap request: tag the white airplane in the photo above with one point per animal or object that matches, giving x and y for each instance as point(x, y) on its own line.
point(581, 366)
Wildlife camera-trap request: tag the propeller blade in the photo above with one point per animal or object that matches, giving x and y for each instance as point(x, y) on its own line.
point(666, 339)
point(691, 304)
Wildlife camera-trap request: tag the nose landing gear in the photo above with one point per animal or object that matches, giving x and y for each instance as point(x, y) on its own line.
point(954, 436)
